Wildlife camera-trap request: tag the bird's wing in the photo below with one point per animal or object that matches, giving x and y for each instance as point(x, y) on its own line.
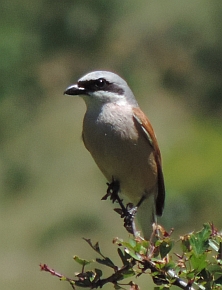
point(145, 126)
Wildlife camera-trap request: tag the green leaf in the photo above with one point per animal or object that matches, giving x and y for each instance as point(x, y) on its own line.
point(170, 266)
point(133, 254)
point(165, 247)
point(137, 246)
point(141, 247)
point(190, 275)
point(199, 241)
point(128, 273)
point(132, 243)
point(82, 262)
point(136, 249)
point(215, 270)
point(206, 231)
point(198, 262)
point(185, 243)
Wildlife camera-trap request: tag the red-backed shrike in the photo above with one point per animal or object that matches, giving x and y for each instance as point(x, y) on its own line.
point(122, 142)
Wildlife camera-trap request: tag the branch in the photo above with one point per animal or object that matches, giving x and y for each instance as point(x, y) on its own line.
point(199, 265)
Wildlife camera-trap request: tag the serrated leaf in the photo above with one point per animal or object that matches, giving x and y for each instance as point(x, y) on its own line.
point(185, 243)
point(127, 245)
point(133, 254)
point(215, 270)
point(169, 266)
point(190, 275)
point(118, 210)
point(128, 273)
point(141, 247)
point(134, 249)
point(85, 275)
point(82, 262)
point(124, 257)
point(199, 241)
point(85, 279)
point(165, 247)
point(106, 261)
point(198, 262)
point(94, 247)
point(206, 231)
point(99, 272)
point(132, 243)
point(97, 248)
point(98, 275)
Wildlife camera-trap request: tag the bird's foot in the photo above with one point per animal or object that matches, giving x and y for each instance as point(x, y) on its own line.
point(112, 191)
point(127, 212)
point(129, 219)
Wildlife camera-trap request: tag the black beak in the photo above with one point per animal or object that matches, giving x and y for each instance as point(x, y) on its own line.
point(75, 90)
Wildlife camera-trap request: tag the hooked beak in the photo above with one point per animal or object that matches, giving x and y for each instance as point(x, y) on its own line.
point(75, 90)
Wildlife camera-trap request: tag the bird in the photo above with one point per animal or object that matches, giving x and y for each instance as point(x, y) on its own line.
point(122, 142)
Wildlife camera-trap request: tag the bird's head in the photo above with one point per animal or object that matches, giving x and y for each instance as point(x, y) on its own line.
point(101, 87)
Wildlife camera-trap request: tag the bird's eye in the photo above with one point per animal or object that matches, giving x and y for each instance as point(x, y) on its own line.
point(100, 83)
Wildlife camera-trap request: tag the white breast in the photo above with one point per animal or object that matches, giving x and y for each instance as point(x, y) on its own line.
point(119, 150)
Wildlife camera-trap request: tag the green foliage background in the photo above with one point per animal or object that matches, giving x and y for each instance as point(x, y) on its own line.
point(170, 53)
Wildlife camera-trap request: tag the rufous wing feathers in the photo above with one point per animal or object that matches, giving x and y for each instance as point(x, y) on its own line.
point(148, 132)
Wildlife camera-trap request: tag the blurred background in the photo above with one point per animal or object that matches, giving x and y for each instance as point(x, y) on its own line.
point(170, 53)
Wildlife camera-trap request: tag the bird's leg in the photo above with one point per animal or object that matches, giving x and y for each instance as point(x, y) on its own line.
point(141, 201)
point(155, 232)
point(129, 219)
point(112, 191)
point(128, 212)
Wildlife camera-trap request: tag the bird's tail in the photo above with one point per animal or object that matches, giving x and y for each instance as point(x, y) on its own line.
point(146, 216)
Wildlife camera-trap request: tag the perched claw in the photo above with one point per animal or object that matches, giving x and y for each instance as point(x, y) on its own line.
point(129, 219)
point(127, 212)
point(112, 191)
